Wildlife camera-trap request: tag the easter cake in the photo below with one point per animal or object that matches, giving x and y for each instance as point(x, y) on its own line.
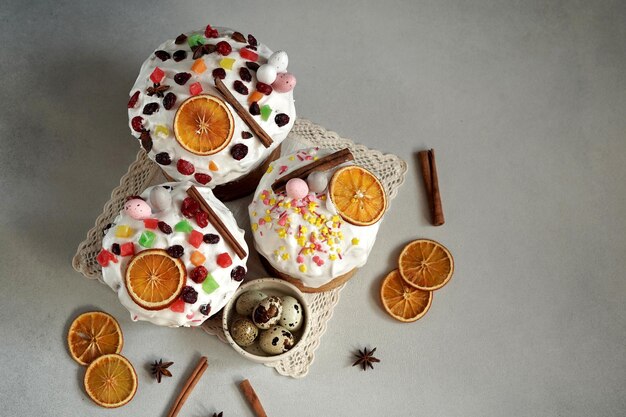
point(212, 107)
point(174, 255)
point(315, 216)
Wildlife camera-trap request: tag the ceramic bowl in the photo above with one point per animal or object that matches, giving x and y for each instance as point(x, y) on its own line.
point(270, 286)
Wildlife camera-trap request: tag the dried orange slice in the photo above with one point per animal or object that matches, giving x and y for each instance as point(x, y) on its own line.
point(426, 264)
point(358, 195)
point(94, 334)
point(154, 279)
point(402, 301)
point(203, 125)
point(111, 381)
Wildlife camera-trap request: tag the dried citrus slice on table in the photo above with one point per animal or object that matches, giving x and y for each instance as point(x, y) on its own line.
point(358, 195)
point(402, 301)
point(94, 334)
point(111, 381)
point(426, 264)
point(154, 279)
point(203, 125)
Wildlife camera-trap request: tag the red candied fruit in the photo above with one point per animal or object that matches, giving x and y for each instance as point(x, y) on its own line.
point(127, 249)
point(185, 167)
point(190, 207)
point(202, 178)
point(133, 100)
point(199, 274)
point(157, 75)
point(264, 88)
point(178, 306)
point(137, 123)
point(104, 257)
point(195, 89)
point(224, 260)
point(195, 238)
point(151, 223)
point(248, 54)
point(202, 219)
point(209, 32)
point(224, 48)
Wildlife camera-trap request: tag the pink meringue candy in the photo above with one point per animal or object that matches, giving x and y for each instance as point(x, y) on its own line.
point(137, 209)
point(284, 83)
point(297, 188)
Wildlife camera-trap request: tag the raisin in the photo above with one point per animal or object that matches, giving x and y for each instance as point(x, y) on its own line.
point(238, 273)
point(163, 158)
point(252, 65)
point(238, 36)
point(264, 88)
point(211, 238)
point(252, 40)
point(133, 100)
point(150, 108)
point(165, 228)
point(181, 78)
point(180, 39)
point(162, 55)
point(175, 251)
point(240, 88)
point(255, 110)
point(281, 119)
point(239, 151)
point(146, 140)
point(205, 309)
point(189, 295)
point(169, 101)
point(180, 55)
point(246, 135)
point(244, 74)
point(219, 73)
point(115, 249)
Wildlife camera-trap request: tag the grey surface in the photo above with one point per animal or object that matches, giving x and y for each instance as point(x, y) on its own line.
point(525, 103)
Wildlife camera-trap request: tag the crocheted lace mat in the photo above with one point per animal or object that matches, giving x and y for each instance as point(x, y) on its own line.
point(390, 169)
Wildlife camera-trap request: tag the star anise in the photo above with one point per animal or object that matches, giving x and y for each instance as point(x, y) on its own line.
point(157, 89)
point(200, 50)
point(365, 358)
point(159, 369)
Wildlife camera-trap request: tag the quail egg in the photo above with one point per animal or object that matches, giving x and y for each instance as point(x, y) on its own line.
point(248, 300)
point(267, 312)
point(243, 332)
point(291, 319)
point(276, 340)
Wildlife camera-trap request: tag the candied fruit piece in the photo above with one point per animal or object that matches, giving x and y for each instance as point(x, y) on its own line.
point(157, 75)
point(195, 89)
point(197, 258)
point(178, 306)
point(133, 100)
point(209, 285)
point(248, 54)
point(185, 167)
point(181, 78)
point(199, 66)
point(195, 40)
point(255, 96)
point(162, 131)
point(147, 239)
point(213, 167)
point(224, 260)
point(198, 274)
point(265, 112)
point(202, 219)
point(127, 249)
point(183, 226)
point(224, 48)
point(264, 88)
point(124, 231)
point(227, 63)
point(189, 207)
point(195, 238)
point(209, 32)
point(137, 123)
point(104, 257)
point(202, 178)
point(151, 223)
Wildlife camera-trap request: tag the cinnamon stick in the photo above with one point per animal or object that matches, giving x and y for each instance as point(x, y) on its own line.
point(217, 222)
point(323, 164)
point(252, 398)
point(193, 379)
point(265, 139)
point(431, 184)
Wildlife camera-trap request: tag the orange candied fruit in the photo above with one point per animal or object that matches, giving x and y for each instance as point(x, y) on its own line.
point(197, 258)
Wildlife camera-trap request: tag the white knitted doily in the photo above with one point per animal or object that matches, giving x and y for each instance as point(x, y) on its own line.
point(390, 169)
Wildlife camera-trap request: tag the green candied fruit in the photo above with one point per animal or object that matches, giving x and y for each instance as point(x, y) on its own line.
point(195, 40)
point(147, 239)
point(265, 112)
point(183, 226)
point(209, 285)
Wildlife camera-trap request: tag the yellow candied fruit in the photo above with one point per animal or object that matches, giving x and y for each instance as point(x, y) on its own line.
point(254, 227)
point(227, 63)
point(285, 256)
point(355, 241)
point(161, 131)
point(124, 231)
point(269, 169)
point(302, 268)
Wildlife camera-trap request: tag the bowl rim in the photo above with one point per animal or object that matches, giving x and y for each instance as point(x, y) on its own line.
point(226, 312)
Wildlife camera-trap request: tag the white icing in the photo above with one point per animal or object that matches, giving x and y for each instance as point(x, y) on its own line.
point(267, 239)
point(229, 168)
point(113, 274)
